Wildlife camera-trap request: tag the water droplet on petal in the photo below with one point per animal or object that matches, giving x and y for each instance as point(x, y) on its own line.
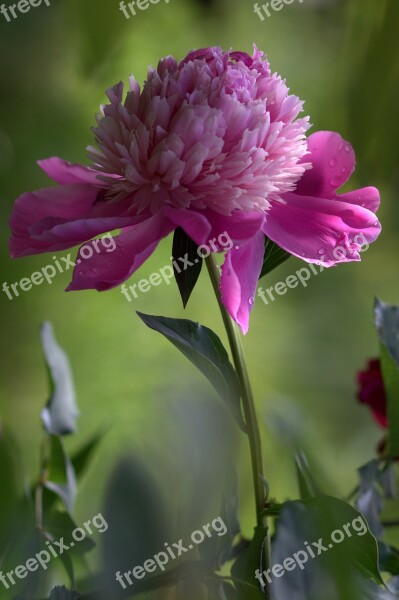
point(335, 182)
point(348, 148)
point(344, 171)
point(341, 147)
point(322, 251)
point(332, 162)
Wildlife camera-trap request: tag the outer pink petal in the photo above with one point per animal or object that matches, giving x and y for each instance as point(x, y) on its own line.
point(320, 230)
point(239, 225)
point(64, 172)
point(240, 274)
point(194, 223)
point(368, 197)
point(106, 268)
point(333, 162)
point(59, 203)
point(206, 226)
point(56, 218)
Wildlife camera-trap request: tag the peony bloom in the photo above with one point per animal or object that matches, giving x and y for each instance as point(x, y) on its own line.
point(213, 143)
point(372, 392)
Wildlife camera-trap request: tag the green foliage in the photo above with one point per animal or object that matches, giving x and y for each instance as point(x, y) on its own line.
point(203, 349)
point(387, 323)
point(273, 258)
point(186, 278)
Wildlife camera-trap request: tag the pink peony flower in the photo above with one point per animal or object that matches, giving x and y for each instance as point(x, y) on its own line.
point(371, 391)
point(212, 143)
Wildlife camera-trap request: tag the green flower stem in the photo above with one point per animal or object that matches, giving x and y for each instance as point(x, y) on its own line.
point(246, 393)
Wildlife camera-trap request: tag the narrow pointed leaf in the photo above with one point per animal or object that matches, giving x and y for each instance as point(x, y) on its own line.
point(187, 263)
point(274, 257)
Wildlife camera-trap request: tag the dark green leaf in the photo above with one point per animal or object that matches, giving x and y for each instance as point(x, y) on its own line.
point(274, 257)
point(187, 263)
point(59, 416)
point(61, 477)
point(82, 457)
point(203, 349)
point(387, 323)
point(61, 593)
point(389, 559)
point(307, 485)
point(340, 568)
point(370, 499)
point(247, 564)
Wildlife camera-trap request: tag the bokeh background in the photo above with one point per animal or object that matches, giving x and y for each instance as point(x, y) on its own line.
point(303, 350)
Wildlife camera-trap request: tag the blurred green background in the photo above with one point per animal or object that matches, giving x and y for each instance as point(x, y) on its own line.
point(303, 350)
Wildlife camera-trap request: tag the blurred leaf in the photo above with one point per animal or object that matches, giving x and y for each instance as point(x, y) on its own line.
point(137, 525)
point(370, 500)
point(307, 486)
point(61, 477)
point(82, 457)
point(61, 593)
point(273, 258)
point(217, 550)
point(59, 416)
point(186, 278)
point(221, 590)
point(203, 349)
point(60, 525)
point(387, 324)
point(372, 46)
point(389, 559)
point(244, 568)
point(337, 567)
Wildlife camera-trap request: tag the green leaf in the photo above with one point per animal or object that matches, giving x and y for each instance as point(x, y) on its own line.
point(274, 256)
point(137, 525)
point(60, 414)
point(82, 457)
point(307, 485)
point(389, 559)
point(61, 593)
point(387, 324)
point(60, 525)
point(246, 565)
point(341, 568)
point(217, 550)
point(203, 349)
point(61, 477)
point(185, 251)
